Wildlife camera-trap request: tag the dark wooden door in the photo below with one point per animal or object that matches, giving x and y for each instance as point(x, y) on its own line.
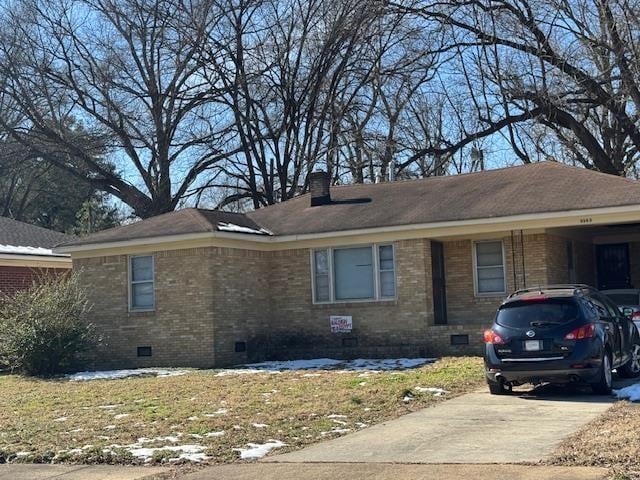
point(439, 286)
point(613, 266)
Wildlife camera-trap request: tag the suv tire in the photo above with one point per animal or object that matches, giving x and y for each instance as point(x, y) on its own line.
point(604, 384)
point(631, 369)
point(497, 388)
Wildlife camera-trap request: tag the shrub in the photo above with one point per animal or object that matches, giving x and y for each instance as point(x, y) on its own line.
point(43, 329)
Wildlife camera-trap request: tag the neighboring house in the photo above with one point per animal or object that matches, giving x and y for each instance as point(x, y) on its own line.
point(420, 266)
point(26, 254)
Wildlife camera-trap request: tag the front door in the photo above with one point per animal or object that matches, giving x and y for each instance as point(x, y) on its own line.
point(613, 266)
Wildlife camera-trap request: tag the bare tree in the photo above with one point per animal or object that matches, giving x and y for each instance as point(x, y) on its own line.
point(568, 68)
point(129, 72)
point(291, 71)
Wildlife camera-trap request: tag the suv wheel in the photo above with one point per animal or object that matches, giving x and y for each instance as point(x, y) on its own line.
point(604, 384)
point(498, 388)
point(631, 369)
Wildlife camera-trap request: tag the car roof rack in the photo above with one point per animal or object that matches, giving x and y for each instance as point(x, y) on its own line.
point(576, 287)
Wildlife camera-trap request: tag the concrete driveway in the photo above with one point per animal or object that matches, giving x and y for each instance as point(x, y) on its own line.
point(475, 428)
point(388, 471)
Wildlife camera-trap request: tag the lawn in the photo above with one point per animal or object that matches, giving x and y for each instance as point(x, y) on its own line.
point(207, 417)
point(612, 440)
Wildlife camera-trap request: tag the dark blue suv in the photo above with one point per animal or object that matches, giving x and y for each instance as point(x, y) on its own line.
point(560, 334)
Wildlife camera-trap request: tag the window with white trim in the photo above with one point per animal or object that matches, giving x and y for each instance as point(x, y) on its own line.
point(489, 268)
point(354, 274)
point(141, 283)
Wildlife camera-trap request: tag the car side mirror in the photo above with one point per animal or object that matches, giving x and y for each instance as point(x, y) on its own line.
point(627, 312)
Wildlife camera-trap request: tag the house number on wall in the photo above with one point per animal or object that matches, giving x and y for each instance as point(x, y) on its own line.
point(586, 220)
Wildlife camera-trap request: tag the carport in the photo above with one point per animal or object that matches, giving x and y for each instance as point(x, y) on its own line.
point(605, 256)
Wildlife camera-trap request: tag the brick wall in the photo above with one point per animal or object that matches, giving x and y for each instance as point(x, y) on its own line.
point(240, 282)
point(13, 279)
point(400, 327)
point(211, 302)
point(470, 314)
point(180, 330)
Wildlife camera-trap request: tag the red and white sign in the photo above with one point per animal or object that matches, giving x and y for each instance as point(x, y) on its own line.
point(340, 323)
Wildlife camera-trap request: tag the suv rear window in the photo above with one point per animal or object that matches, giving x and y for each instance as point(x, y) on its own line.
point(525, 314)
point(624, 298)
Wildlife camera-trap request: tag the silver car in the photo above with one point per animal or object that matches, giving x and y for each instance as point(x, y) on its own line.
point(628, 300)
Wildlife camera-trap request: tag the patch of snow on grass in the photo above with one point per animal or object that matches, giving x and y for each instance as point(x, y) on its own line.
point(169, 438)
point(387, 364)
point(121, 415)
point(220, 411)
point(258, 450)
point(365, 364)
point(60, 419)
point(436, 392)
point(239, 371)
point(191, 453)
point(115, 374)
point(314, 364)
point(335, 415)
point(188, 452)
point(260, 425)
point(631, 393)
point(214, 434)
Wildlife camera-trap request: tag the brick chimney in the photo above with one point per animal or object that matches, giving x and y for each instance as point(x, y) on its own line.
point(319, 188)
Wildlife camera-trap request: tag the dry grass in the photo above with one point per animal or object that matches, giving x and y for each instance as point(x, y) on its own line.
point(612, 440)
point(294, 406)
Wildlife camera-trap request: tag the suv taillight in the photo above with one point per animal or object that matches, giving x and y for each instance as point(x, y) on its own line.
point(635, 317)
point(585, 331)
point(492, 337)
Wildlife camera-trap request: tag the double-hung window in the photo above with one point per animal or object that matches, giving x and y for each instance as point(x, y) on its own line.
point(354, 274)
point(489, 268)
point(141, 284)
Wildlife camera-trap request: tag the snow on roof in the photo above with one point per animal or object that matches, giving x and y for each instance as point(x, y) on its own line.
point(20, 250)
point(230, 227)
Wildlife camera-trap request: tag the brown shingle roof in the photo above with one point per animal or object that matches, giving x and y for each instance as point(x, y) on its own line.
point(533, 188)
point(188, 220)
point(528, 189)
point(20, 234)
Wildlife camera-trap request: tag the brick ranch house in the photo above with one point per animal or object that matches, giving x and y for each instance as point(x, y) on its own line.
point(26, 255)
point(420, 266)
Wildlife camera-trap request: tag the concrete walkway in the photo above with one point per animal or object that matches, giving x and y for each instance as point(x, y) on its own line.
point(78, 472)
point(475, 428)
point(385, 471)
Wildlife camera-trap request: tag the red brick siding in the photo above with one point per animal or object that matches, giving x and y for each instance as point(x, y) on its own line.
point(13, 279)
